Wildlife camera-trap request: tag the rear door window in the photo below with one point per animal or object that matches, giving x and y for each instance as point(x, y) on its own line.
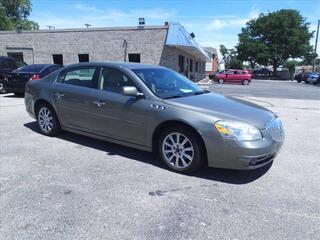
point(84, 77)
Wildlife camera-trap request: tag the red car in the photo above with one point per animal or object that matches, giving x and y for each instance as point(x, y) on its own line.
point(234, 76)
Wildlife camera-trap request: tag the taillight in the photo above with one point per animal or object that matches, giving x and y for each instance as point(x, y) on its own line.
point(35, 77)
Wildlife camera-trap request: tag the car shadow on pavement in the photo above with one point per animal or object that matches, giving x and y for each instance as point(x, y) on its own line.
point(214, 174)
point(13, 96)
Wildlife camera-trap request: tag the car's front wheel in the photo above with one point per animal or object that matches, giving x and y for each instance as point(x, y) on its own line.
point(245, 82)
point(181, 150)
point(221, 81)
point(47, 120)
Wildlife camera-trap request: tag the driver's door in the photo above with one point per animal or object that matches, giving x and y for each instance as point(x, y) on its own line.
point(118, 116)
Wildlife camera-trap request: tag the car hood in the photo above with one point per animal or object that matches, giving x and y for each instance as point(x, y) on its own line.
point(226, 108)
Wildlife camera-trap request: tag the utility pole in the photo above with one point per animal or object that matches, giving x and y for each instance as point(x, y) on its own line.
point(316, 45)
point(50, 27)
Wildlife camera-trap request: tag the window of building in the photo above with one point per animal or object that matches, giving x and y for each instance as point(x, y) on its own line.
point(113, 80)
point(17, 55)
point(197, 67)
point(181, 63)
point(57, 59)
point(191, 66)
point(134, 57)
point(81, 77)
point(83, 57)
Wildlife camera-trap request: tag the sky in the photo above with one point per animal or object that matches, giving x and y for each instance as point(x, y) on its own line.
point(213, 22)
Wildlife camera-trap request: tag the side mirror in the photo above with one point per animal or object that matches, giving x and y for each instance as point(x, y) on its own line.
point(131, 91)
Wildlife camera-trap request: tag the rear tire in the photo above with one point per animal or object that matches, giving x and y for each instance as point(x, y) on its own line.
point(47, 120)
point(181, 150)
point(221, 81)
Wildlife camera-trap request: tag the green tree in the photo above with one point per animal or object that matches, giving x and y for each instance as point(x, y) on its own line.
point(14, 13)
point(229, 57)
point(277, 36)
point(251, 50)
point(235, 64)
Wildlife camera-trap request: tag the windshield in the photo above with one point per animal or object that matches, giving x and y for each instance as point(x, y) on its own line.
point(166, 83)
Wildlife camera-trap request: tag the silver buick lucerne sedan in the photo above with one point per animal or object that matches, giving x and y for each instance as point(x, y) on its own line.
point(155, 109)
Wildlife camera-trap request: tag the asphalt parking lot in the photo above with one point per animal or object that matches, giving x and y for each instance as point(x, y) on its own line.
point(74, 187)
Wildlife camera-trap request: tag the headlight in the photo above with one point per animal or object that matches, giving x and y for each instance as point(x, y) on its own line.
point(237, 130)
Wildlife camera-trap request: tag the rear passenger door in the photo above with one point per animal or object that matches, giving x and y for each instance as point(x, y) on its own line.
point(72, 94)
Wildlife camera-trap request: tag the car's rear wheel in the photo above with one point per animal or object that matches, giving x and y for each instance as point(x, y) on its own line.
point(181, 150)
point(221, 81)
point(245, 82)
point(48, 122)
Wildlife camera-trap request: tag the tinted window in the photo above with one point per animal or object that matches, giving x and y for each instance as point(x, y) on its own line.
point(49, 70)
point(134, 57)
point(113, 80)
point(83, 57)
point(35, 68)
point(181, 63)
point(57, 59)
point(81, 77)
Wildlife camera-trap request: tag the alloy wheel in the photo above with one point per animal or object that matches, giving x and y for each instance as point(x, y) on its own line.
point(45, 119)
point(177, 150)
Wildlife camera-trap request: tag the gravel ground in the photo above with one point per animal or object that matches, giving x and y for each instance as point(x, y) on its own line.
point(74, 187)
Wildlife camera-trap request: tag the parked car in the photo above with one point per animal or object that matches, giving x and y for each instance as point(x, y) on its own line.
point(155, 109)
point(234, 76)
point(7, 65)
point(302, 76)
point(17, 80)
point(262, 71)
point(213, 75)
point(313, 78)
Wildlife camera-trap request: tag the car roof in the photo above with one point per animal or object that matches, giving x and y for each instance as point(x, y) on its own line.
point(129, 65)
point(7, 57)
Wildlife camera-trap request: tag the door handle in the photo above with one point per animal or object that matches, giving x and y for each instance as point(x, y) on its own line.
point(59, 94)
point(99, 103)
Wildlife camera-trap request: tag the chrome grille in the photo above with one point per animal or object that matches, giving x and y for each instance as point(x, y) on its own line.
point(275, 128)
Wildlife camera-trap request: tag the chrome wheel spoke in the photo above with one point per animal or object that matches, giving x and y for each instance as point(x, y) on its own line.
point(177, 150)
point(183, 162)
point(188, 157)
point(45, 119)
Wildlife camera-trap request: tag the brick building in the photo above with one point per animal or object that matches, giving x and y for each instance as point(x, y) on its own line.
point(212, 65)
point(169, 45)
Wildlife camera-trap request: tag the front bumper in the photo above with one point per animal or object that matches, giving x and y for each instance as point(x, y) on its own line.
point(242, 154)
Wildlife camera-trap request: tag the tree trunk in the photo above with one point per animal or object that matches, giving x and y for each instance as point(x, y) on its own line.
point(252, 64)
point(275, 71)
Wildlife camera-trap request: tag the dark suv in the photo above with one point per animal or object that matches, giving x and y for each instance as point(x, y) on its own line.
point(7, 65)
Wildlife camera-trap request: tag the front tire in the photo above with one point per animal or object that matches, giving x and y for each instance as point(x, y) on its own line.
point(181, 150)
point(221, 81)
point(47, 120)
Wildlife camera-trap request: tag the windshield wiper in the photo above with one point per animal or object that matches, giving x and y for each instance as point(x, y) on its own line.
point(175, 96)
point(200, 92)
